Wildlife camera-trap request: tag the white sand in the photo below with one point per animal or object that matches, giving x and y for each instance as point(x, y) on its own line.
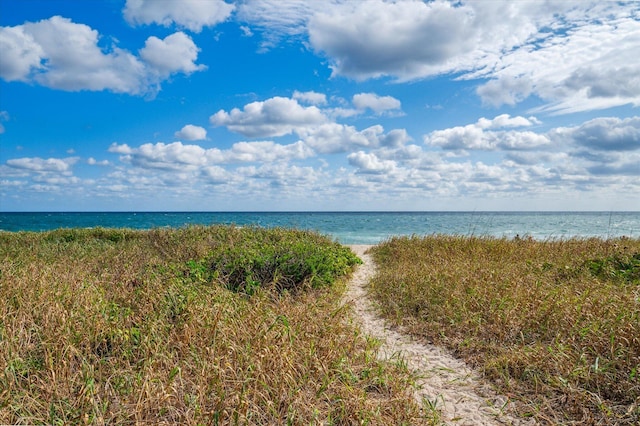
point(444, 380)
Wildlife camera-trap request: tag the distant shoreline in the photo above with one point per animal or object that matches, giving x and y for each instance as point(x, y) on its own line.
point(354, 227)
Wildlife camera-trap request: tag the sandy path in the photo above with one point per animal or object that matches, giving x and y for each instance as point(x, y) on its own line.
point(443, 380)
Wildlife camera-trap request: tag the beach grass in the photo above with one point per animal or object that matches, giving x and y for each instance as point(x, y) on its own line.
point(554, 324)
point(197, 325)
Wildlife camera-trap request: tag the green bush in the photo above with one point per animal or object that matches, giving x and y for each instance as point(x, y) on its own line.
point(284, 259)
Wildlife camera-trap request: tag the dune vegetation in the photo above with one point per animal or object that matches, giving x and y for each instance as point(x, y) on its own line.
point(198, 325)
point(555, 324)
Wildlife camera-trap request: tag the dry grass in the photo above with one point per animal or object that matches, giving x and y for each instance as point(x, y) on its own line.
point(189, 326)
point(555, 324)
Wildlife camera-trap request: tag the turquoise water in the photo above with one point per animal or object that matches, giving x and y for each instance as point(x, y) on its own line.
point(357, 227)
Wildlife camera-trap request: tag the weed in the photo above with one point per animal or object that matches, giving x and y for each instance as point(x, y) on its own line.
point(555, 323)
point(198, 325)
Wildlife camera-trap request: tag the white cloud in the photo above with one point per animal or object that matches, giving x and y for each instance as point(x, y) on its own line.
point(175, 53)
point(191, 133)
point(177, 156)
point(173, 156)
point(576, 56)
point(377, 104)
point(49, 179)
point(395, 138)
point(72, 60)
point(406, 39)
point(603, 134)
point(190, 14)
point(331, 138)
point(379, 166)
point(287, 178)
point(61, 54)
point(266, 151)
point(216, 174)
point(120, 149)
point(370, 163)
point(93, 162)
point(616, 165)
point(277, 116)
point(313, 98)
point(20, 54)
point(505, 120)
point(36, 164)
point(477, 136)
point(334, 138)
point(246, 31)
point(508, 90)
point(587, 63)
point(277, 19)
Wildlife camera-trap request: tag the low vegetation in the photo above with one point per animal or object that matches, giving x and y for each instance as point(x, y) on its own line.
point(554, 324)
point(200, 325)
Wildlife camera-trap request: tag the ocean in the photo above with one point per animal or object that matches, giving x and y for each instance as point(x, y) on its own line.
point(356, 227)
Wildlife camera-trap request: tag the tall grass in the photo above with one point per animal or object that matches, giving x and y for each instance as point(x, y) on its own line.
point(554, 324)
point(201, 325)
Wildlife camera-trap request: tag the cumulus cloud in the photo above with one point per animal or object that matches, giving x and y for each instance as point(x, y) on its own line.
point(284, 177)
point(331, 138)
point(616, 165)
point(266, 151)
point(173, 156)
point(277, 116)
point(216, 174)
point(508, 90)
point(603, 134)
point(177, 156)
point(61, 54)
point(375, 103)
point(378, 164)
point(313, 98)
point(395, 138)
point(37, 164)
point(505, 120)
point(191, 133)
point(175, 53)
point(406, 39)
point(190, 14)
point(20, 53)
point(334, 138)
point(477, 136)
point(369, 163)
point(93, 162)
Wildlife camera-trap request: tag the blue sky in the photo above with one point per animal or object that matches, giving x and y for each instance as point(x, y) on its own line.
point(319, 105)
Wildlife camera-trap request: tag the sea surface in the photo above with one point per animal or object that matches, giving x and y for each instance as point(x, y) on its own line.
point(356, 227)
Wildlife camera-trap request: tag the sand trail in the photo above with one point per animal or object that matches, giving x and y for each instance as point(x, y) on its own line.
point(445, 381)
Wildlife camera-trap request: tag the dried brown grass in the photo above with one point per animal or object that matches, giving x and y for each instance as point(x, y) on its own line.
point(554, 324)
point(123, 327)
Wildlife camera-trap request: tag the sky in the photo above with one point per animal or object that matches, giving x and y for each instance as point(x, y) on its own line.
point(321, 105)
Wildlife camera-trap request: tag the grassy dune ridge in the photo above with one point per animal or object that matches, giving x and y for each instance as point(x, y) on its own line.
point(199, 325)
point(555, 324)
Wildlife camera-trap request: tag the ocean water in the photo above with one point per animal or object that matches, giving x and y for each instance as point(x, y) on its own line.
point(357, 227)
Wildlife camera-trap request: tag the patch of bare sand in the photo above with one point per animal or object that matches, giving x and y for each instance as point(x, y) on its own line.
point(455, 389)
